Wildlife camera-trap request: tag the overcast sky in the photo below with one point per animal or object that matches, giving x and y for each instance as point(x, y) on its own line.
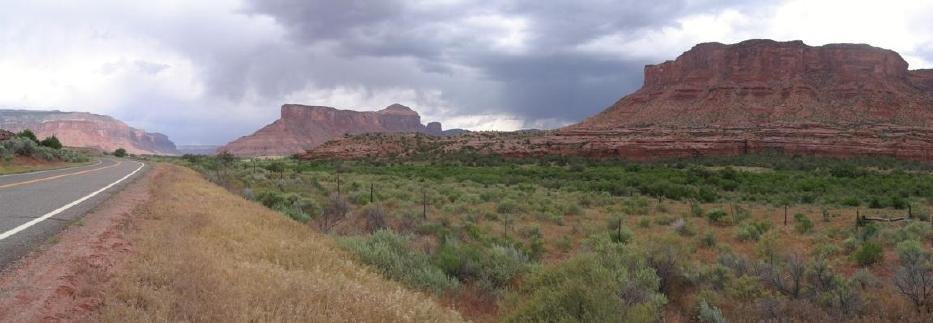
point(208, 71)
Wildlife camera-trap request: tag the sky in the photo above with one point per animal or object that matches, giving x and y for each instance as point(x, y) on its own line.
point(209, 71)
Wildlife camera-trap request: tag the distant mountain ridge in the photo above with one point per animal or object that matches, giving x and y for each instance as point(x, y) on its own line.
point(303, 127)
point(198, 149)
point(87, 130)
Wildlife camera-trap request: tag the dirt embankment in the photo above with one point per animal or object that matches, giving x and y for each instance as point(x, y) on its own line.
point(173, 247)
point(64, 280)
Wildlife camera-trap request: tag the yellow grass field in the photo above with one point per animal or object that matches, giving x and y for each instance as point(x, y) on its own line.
point(201, 254)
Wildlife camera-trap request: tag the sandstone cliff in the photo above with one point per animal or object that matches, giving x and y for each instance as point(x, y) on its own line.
point(304, 127)
point(839, 100)
point(80, 129)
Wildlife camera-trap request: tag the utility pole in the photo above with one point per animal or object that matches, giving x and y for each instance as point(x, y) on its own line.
point(424, 203)
point(338, 185)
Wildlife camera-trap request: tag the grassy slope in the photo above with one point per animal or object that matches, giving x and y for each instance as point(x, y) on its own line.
point(203, 254)
point(21, 164)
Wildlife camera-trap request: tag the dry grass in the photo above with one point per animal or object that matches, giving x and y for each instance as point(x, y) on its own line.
point(20, 164)
point(202, 254)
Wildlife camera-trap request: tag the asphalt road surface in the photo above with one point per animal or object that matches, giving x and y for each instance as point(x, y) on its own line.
point(36, 206)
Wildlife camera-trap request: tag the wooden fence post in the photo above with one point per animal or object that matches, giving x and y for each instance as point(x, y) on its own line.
point(785, 214)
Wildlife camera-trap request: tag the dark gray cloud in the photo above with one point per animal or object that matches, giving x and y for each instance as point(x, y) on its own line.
point(546, 78)
point(209, 71)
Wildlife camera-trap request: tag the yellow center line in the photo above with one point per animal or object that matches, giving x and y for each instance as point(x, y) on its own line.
point(38, 180)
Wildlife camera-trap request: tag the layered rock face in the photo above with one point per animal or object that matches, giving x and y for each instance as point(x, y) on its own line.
point(759, 95)
point(838, 99)
point(763, 82)
point(304, 127)
point(80, 129)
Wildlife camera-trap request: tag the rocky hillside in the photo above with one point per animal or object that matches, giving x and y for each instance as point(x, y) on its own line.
point(838, 100)
point(304, 127)
point(81, 129)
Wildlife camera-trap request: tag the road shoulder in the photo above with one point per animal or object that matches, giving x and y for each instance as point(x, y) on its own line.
point(64, 279)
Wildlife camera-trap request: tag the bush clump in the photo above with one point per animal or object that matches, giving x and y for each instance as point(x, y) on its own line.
point(390, 254)
point(25, 146)
point(292, 205)
point(28, 134)
point(610, 281)
point(868, 254)
point(716, 216)
point(710, 314)
point(752, 231)
point(802, 223)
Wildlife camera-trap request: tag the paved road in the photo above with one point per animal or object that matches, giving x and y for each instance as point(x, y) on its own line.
point(36, 206)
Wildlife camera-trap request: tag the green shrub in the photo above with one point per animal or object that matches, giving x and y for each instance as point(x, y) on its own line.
point(868, 254)
point(577, 290)
point(609, 282)
point(51, 142)
point(292, 205)
point(767, 247)
point(459, 260)
point(710, 314)
point(636, 205)
point(696, 210)
point(390, 254)
point(708, 240)
point(644, 222)
point(802, 224)
point(27, 147)
point(744, 287)
point(683, 228)
point(502, 264)
point(705, 194)
point(120, 152)
point(571, 209)
point(851, 201)
point(915, 230)
point(825, 250)
point(911, 251)
point(752, 231)
point(741, 214)
point(716, 216)
point(665, 220)
point(28, 134)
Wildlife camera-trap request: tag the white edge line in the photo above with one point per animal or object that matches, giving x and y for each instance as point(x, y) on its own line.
point(35, 221)
point(99, 161)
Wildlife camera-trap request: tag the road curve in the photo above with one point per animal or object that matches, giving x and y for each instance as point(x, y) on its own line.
point(36, 206)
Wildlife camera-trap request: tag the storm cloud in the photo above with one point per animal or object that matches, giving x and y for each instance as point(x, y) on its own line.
point(206, 72)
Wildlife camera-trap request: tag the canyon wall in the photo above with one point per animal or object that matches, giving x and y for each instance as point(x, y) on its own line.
point(87, 130)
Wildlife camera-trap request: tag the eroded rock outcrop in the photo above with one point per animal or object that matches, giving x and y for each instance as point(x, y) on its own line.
point(87, 130)
point(838, 100)
point(304, 127)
